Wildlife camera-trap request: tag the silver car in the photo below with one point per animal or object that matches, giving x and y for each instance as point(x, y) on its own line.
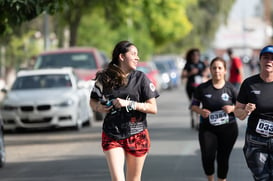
point(46, 98)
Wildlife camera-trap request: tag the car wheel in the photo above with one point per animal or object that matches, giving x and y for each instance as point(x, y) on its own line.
point(2, 149)
point(90, 121)
point(79, 123)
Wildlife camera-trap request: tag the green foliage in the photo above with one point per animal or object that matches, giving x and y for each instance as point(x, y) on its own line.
point(206, 16)
point(155, 26)
point(100, 34)
point(21, 49)
point(164, 21)
point(71, 18)
point(167, 20)
point(149, 24)
point(94, 31)
point(15, 12)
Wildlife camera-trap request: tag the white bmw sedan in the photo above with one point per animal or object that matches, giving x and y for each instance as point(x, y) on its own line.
point(46, 98)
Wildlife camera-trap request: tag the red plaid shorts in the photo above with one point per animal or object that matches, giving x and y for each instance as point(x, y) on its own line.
point(137, 145)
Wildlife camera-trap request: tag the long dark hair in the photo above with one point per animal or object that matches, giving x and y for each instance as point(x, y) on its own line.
point(190, 53)
point(112, 76)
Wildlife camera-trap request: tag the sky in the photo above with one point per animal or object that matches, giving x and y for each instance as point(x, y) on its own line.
point(244, 28)
point(243, 8)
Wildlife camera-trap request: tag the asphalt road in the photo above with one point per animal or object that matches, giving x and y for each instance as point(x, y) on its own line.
point(66, 155)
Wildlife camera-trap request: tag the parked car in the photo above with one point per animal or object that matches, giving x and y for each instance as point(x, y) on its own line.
point(86, 61)
point(2, 145)
point(46, 98)
point(165, 80)
point(175, 72)
point(151, 71)
point(173, 69)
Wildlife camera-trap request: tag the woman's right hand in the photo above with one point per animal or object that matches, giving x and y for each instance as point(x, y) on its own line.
point(194, 71)
point(103, 108)
point(205, 113)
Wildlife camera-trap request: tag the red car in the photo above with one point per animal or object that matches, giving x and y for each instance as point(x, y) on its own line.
point(151, 71)
point(85, 61)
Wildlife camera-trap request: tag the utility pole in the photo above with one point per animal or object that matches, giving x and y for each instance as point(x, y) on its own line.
point(267, 19)
point(267, 11)
point(46, 32)
point(3, 61)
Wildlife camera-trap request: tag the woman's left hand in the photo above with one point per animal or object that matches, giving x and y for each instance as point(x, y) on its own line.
point(119, 103)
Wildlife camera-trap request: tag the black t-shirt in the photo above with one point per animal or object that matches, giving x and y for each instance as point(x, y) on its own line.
point(214, 99)
point(121, 124)
point(189, 66)
point(255, 90)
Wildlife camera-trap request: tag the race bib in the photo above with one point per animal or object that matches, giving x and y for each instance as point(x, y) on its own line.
point(265, 127)
point(217, 118)
point(198, 79)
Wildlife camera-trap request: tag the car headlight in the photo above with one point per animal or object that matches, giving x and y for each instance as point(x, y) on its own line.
point(173, 75)
point(165, 77)
point(65, 103)
point(7, 107)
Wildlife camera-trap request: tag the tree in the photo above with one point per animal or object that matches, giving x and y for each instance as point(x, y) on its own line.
point(155, 26)
point(168, 26)
point(101, 34)
point(15, 12)
point(16, 44)
point(71, 17)
point(206, 16)
point(164, 21)
point(149, 24)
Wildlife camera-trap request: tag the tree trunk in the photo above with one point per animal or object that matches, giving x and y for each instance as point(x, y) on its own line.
point(10, 76)
point(73, 28)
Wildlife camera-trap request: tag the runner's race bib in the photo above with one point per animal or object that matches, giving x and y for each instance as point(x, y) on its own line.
point(217, 118)
point(265, 127)
point(197, 80)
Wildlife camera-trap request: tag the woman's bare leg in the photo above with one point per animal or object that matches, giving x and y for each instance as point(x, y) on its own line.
point(115, 158)
point(134, 167)
point(210, 177)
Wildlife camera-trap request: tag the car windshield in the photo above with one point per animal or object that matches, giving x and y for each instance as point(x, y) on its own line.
point(75, 60)
point(161, 67)
point(42, 82)
point(172, 64)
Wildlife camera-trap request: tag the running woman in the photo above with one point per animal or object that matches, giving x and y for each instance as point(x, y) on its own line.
point(126, 95)
point(194, 72)
point(218, 129)
point(254, 102)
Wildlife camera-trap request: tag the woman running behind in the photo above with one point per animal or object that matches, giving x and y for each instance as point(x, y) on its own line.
point(218, 128)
